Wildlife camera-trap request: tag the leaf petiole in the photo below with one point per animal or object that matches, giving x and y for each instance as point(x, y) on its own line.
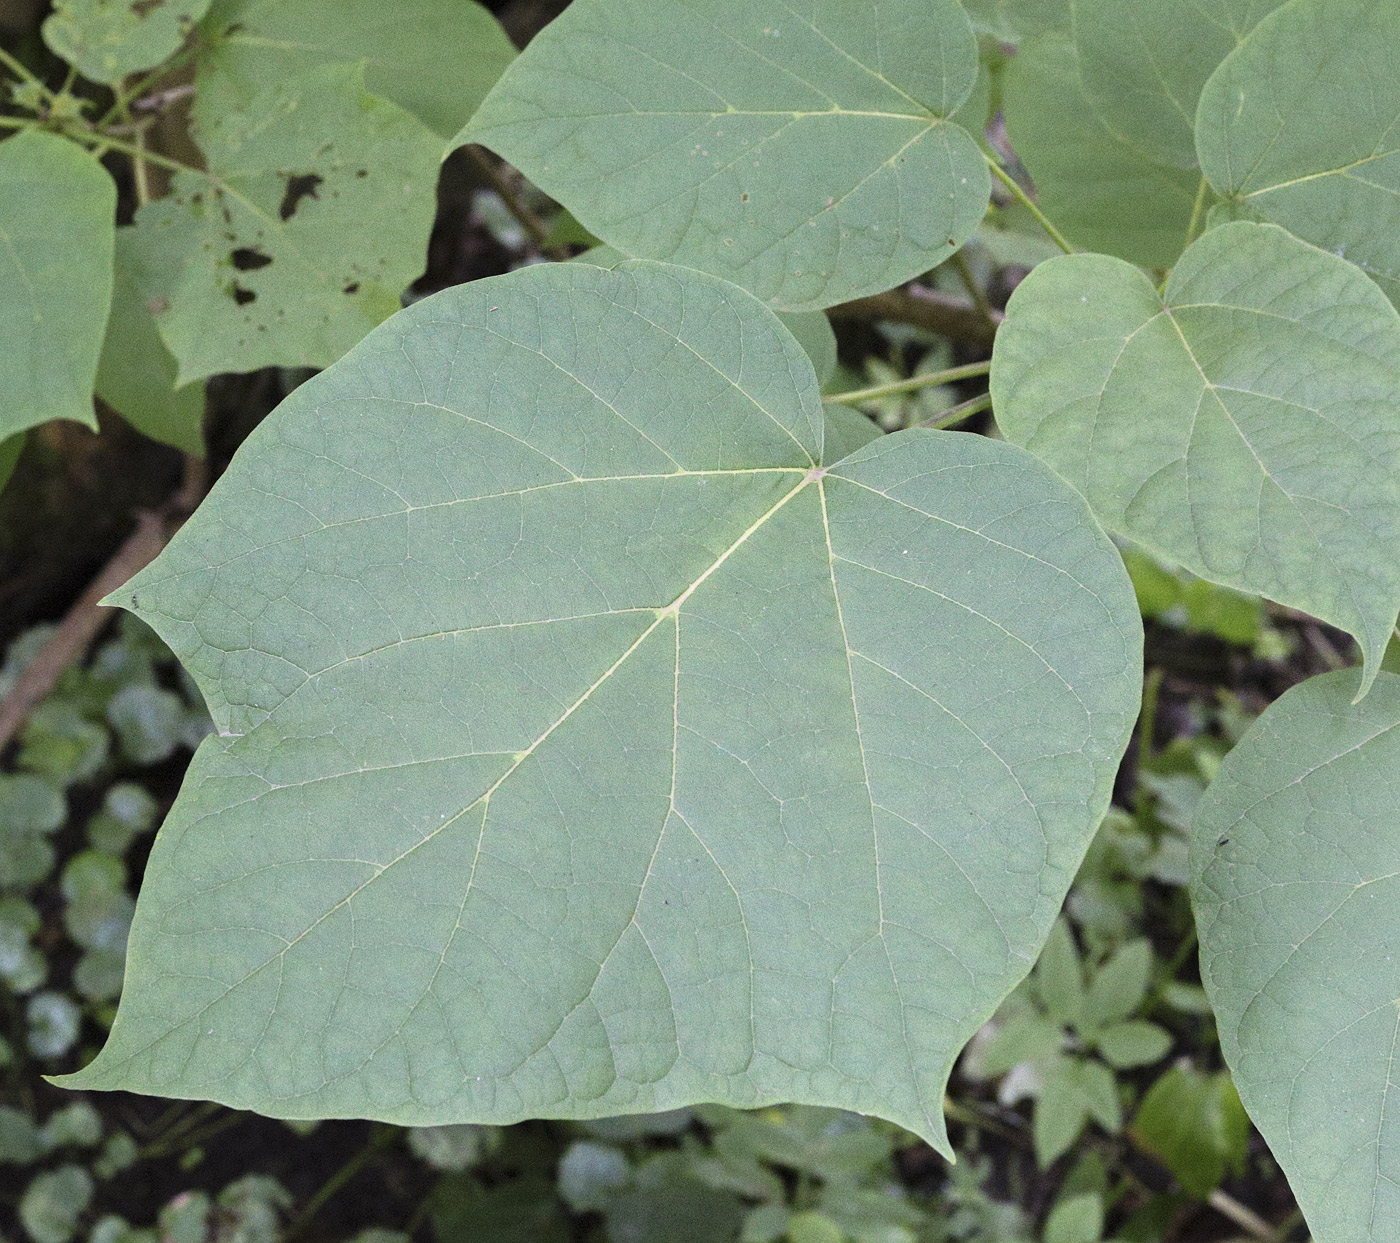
point(911, 385)
point(1029, 204)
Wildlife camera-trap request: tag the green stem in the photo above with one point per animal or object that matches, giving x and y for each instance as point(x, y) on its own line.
point(913, 384)
point(19, 122)
point(1011, 184)
point(1197, 210)
point(1245, 1218)
point(956, 414)
point(107, 143)
point(22, 71)
point(142, 85)
point(974, 290)
point(381, 1139)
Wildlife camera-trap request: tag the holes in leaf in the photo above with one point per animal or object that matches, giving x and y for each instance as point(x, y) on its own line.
point(299, 186)
point(243, 296)
point(143, 8)
point(352, 287)
point(249, 259)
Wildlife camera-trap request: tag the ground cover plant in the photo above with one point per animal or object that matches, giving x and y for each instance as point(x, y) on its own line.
point(683, 652)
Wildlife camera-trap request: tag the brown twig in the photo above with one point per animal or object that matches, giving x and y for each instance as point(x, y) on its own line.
point(925, 308)
point(85, 620)
point(517, 207)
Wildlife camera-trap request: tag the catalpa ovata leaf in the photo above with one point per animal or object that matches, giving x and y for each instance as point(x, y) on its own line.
point(586, 748)
point(57, 221)
point(1298, 127)
point(1144, 63)
point(311, 220)
point(807, 155)
point(1295, 869)
point(1244, 424)
point(105, 40)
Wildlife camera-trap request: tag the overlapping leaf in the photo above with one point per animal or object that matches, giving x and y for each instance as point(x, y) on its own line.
point(1296, 887)
point(312, 219)
point(1145, 61)
point(436, 58)
point(1299, 126)
point(1245, 425)
point(1100, 191)
point(105, 40)
point(57, 207)
point(136, 373)
point(806, 155)
point(585, 748)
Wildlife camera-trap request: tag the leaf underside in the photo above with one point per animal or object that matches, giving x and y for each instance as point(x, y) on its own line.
point(1295, 861)
point(585, 749)
point(57, 206)
point(1246, 425)
point(808, 157)
point(1298, 127)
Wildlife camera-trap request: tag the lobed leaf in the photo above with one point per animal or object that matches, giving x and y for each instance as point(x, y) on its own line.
point(435, 58)
point(1245, 424)
point(807, 156)
point(585, 749)
point(105, 40)
point(310, 222)
point(1294, 884)
point(1145, 61)
point(1298, 127)
point(57, 208)
point(1100, 191)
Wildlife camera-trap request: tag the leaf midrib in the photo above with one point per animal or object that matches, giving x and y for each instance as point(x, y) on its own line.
point(483, 800)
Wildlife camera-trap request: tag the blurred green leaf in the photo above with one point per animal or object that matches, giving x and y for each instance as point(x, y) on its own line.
point(106, 40)
point(1195, 1125)
point(53, 1204)
point(1119, 985)
point(1078, 1219)
point(590, 1174)
point(1125, 1045)
point(1059, 977)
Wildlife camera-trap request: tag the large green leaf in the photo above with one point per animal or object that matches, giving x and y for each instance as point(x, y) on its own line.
point(1012, 21)
point(105, 40)
point(136, 373)
point(1296, 886)
point(312, 219)
point(585, 749)
point(436, 58)
point(806, 156)
point(1245, 425)
point(1299, 127)
point(1100, 191)
point(1145, 62)
point(57, 208)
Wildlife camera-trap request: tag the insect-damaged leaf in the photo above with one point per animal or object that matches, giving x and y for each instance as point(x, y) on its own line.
point(585, 749)
point(105, 40)
point(57, 207)
point(437, 58)
point(1246, 425)
point(806, 156)
point(1299, 127)
point(311, 221)
point(1296, 886)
